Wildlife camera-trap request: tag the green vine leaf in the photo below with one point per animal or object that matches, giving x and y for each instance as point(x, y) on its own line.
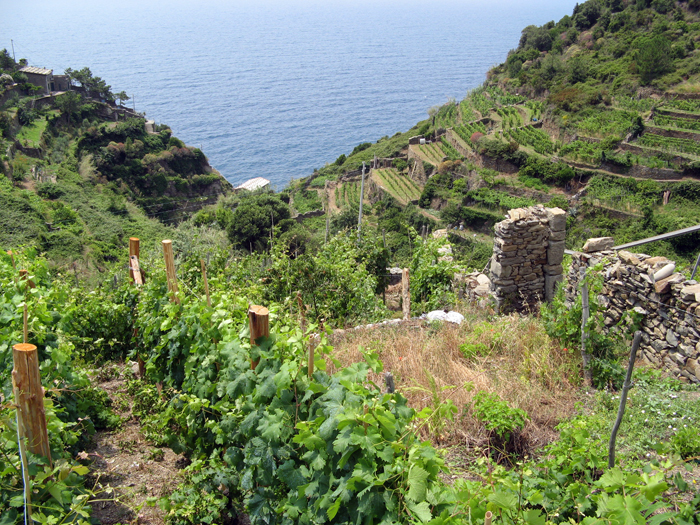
point(417, 483)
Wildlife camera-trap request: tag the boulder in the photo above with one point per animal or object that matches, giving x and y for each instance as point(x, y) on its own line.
point(442, 315)
point(664, 272)
point(598, 244)
point(628, 258)
point(690, 294)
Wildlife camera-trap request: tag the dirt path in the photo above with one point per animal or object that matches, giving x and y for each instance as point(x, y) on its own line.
point(124, 467)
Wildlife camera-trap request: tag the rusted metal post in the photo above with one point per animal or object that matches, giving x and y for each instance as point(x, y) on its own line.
point(406, 293)
point(170, 270)
point(259, 322)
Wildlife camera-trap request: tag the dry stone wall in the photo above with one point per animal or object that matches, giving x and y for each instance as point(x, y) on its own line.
point(527, 257)
point(668, 304)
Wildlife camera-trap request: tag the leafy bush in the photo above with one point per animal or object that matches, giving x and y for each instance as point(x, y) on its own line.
point(253, 219)
point(431, 279)
point(687, 443)
point(501, 420)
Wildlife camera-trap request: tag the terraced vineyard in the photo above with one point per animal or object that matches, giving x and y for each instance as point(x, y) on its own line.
point(466, 131)
point(446, 116)
point(348, 194)
point(431, 152)
point(667, 121)
point(399, 186)
point(671, 144)
point(532, 137)
point(467, 111)
point(510, 117)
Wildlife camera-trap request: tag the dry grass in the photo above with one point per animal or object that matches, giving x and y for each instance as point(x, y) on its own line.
point(524, 366)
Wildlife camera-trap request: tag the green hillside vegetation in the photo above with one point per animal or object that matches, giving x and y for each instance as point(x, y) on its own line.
point(595, 114)
point(608, 90)
point(77, 184)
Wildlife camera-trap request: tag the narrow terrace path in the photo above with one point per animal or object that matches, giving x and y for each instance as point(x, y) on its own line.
point(124, 467)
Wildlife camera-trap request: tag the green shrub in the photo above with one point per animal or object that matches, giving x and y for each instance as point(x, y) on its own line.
point(686, 442)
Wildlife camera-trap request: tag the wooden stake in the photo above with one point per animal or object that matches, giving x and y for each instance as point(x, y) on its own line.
point(25, 324)
point(170, 270)
point(311, 359)
point(406, 293)
point(135, 270)
point(24, 276)
point(259, 322)
point(206, 282)
point(623, 398)
point(29, 397)
point(134, 251)
point(488, 517)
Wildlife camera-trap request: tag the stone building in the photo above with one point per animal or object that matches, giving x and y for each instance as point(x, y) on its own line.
point(45, 79)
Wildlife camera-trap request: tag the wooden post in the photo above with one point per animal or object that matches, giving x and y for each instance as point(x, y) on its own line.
point(585, 356)
point(24, 276)
point(259, 322)
point(29, 397)
point(406, 294)
point(623, 398)
point(134, 250)
point(135, 270)
point(206, 282)
point(170, 270)
point(311, 359)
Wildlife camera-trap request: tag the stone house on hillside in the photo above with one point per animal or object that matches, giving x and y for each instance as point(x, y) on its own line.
point(45, 79)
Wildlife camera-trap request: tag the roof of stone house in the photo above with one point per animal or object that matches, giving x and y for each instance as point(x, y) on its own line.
point(36, 70)
point(254, 184)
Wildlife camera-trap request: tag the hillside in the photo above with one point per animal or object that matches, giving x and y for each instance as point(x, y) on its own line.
point(81, 174)
point(596, 113)
point(175, 401)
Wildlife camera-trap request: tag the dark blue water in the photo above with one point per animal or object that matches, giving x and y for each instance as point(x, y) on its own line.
point(270, 88)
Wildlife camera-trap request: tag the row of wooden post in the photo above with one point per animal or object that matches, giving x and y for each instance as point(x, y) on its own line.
point(26, 379)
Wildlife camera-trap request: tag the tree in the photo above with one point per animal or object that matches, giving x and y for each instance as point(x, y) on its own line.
point(253, 219)
point(654, 57)
point(122, 97)
point(6, 61)
point(68, 103)
point(587, 15)
point(536, 37)
point(94, 86)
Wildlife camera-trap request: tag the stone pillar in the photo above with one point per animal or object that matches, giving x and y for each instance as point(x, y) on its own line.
point(553, 270)
point(527, 256)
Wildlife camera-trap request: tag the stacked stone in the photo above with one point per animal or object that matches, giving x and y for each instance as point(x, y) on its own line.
point(527, 255)
point(669, 306)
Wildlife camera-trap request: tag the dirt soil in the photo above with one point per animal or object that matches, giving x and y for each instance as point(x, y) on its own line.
point(125, 469)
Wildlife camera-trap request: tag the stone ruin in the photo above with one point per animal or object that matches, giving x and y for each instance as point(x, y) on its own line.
point(527, 257)
point(668, 304)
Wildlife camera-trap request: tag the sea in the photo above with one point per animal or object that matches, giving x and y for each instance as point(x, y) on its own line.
point(272, 88)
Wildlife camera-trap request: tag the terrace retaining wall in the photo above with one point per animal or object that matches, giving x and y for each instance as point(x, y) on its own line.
point(669, 307)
